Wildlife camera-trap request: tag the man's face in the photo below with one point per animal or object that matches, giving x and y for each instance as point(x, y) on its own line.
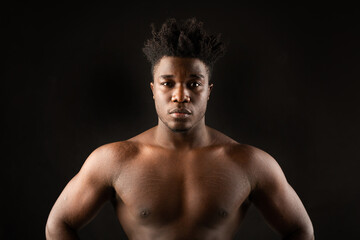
point(181, 90)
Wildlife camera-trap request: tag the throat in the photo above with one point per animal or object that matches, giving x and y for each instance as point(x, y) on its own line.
point(190, 139)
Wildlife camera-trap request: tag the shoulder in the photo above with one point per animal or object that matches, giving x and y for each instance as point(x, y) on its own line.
point(116, 151)
point(260, 166)
point(106, 160)
point(252, 154)
point(245, 153)
point(239, 151)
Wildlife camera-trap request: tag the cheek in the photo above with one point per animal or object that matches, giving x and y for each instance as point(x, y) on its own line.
point(160, 103)
point(161, 98)
point(201, 105)
point(203, 99)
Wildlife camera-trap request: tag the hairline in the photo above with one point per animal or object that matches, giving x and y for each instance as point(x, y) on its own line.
point(207, 67)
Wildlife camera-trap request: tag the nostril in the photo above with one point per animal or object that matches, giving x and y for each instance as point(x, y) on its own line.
point(180, 99)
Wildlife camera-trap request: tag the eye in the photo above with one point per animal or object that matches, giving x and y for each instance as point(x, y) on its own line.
point(195, 84)
point(167, 84)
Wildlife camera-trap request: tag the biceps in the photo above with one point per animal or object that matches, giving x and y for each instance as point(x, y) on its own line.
point(282, 208)
point(79, 202)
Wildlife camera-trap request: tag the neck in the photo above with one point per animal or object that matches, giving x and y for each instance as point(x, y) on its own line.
point(197, 136)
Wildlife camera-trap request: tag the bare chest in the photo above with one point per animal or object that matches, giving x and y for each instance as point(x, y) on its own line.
point(198, 189)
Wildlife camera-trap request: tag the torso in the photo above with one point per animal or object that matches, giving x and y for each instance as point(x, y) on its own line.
point(167, 194)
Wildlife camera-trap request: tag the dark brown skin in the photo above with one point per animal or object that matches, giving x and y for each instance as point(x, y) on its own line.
point(181, 179)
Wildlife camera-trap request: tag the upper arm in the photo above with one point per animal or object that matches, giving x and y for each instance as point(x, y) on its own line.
point(86, 193)
point(276, 199)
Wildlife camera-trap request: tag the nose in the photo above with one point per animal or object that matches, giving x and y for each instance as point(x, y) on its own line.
point(180, 95)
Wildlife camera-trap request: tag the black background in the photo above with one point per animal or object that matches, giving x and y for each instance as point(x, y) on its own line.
point(75, 78)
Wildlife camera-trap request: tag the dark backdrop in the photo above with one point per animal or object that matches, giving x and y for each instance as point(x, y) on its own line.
point(75, 78)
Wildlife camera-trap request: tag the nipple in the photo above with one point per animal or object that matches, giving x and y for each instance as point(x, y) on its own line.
point(222, 213)
point(144, 213)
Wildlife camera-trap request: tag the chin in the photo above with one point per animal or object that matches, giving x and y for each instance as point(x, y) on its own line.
point(179, 129)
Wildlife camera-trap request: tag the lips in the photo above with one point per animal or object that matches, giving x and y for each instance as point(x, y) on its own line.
point(180, 110)
point(180, 113)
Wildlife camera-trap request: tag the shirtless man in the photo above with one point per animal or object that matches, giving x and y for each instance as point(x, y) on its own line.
point(180, 180)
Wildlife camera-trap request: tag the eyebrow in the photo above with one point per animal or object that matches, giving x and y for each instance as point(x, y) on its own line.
point(167, 76)
point(197, 75)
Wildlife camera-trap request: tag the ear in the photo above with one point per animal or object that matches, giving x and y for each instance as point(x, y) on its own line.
point(210, 88)
point(152, 88)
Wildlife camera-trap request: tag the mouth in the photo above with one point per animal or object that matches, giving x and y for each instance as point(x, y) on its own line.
point(180, 113)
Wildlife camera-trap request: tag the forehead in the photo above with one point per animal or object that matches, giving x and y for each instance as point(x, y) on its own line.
point(179, 65)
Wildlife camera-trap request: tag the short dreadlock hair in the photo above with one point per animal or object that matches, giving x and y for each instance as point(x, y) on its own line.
point(186, 38)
